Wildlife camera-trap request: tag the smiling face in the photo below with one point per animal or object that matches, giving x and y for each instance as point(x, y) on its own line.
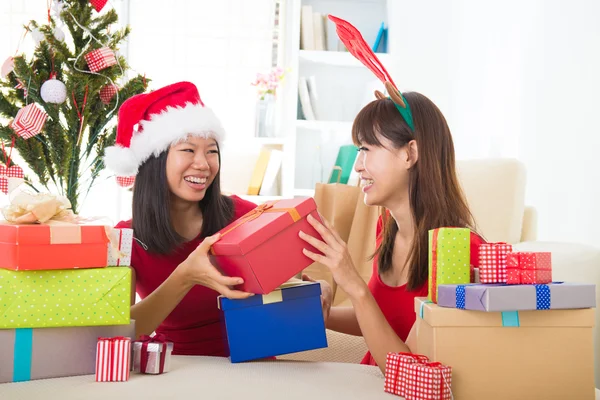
point(384, 172)
point(191, 167)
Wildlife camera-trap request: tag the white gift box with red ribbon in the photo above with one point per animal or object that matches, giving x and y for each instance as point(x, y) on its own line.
point(119, 247)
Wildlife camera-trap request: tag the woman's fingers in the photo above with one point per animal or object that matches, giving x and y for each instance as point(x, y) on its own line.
point(316, 243)
point(226, 280)
point(333, 231)
point(204, 247)
point(316, 257)
point(232, 294)
point(324, 232)
point(307, 278)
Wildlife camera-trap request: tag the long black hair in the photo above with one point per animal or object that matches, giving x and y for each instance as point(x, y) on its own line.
point(151, 207)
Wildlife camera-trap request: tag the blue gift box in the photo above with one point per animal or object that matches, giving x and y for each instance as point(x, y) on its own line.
point(287, 320)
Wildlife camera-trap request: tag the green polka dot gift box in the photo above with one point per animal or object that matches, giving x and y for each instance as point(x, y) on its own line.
point(63, 298)
point(449, 258)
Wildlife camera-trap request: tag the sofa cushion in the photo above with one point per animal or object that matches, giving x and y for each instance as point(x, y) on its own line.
point(495, 191)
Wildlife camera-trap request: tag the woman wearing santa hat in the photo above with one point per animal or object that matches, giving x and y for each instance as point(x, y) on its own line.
point(170, 141)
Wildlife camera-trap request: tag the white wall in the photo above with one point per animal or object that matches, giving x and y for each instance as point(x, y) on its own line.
point(515, 79)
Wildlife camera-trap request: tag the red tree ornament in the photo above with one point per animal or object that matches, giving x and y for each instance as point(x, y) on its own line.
point(29, 121)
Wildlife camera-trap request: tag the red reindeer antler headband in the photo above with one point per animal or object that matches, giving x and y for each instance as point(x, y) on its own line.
point(357, 46)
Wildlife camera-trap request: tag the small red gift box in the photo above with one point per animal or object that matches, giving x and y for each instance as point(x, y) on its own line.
point(101, 58)
point(492, 262)
point(413, 377)
point(6, 173)
point(98, 4)
point(113, 359)
point(29, 121)
point(107, 93)
point(528, 268)
point(125, 181)
point(263, 246)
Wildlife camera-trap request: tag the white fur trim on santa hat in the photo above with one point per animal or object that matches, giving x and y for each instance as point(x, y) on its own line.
point(162, 130)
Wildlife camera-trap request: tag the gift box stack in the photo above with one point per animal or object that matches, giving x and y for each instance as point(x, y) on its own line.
point(263, 248)
point(62, 287)
point(513, 334)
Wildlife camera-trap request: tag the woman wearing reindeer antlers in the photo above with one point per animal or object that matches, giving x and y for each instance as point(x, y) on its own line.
point(407, 167)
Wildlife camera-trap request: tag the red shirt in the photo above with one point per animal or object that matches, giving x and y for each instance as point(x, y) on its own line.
point(396, 303)
point(195, 326)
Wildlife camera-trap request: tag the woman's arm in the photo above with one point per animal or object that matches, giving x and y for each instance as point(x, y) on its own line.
point(155, 308)
point(379, 335)
point(343, 320)
point(195, 270)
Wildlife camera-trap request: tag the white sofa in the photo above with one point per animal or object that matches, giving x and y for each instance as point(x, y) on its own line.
point(495, 190)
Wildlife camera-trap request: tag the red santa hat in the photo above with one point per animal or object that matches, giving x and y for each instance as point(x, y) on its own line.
point(150, 122)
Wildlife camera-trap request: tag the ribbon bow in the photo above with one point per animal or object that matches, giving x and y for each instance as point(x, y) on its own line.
point(257, 212)
point(113, 339)
point(39, 208)
point(146, 340)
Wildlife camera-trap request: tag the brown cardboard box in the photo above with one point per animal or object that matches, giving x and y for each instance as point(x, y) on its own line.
point(41, 353)
point(545, 354)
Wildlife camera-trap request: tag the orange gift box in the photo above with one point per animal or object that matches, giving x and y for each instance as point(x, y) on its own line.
point(46, 247)
point(263, 246)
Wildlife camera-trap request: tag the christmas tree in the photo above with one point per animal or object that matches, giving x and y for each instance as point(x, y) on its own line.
point(61, 105)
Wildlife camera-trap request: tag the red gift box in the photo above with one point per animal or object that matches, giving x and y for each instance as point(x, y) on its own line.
point(107, 93)
point(528, 268)
point(6, 173)
point(29, 121)
point(101, 58)
point(125, 181)
point(98, 4)
point(413, 377)
point(113, 359)
point(492, 262)
point(43, 247)
point(263, 246)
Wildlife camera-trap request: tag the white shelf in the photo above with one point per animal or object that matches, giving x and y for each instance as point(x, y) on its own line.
point(339, 58)
point(280, 141)
point(260, 199)
point(324, 125)
point(304, 192)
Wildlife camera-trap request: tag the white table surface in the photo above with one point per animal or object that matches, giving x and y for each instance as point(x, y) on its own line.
point(214, 378)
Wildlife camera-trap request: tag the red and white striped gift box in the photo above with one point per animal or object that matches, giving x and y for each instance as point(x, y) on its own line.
point(21, 85)
point(113, 359)
point(413, 377)
point(98, 4)
point(107, 93)
point(101, 58)
point(29, 121)
point(492, 262)
point(6, 173)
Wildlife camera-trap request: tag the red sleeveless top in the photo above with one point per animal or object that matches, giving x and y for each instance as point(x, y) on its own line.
point(397, 303)
point(195, 325)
